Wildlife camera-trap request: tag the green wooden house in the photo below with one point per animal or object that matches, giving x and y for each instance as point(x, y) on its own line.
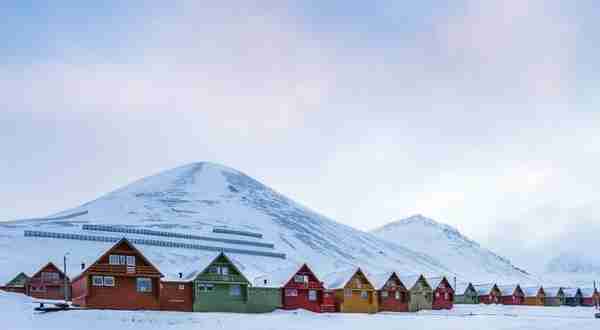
point(222, 287)
point(420, 292)
point(17, 284)
point(466, 294)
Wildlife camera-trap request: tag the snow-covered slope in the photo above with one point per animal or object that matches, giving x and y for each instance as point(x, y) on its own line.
point(448, 245)
point(197, 198)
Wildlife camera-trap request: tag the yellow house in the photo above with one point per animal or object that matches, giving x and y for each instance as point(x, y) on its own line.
point(353, 291)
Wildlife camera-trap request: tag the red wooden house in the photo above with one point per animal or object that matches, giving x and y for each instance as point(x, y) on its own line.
point(176, 296)
point(393, 295)
point(488, 293)
point(122, 278)
point(443, 293)
point(590, 297)
point(511, 295)
point(48, 283)
point(304, 290)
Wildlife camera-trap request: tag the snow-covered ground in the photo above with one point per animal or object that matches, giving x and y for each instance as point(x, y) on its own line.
point(16, 313)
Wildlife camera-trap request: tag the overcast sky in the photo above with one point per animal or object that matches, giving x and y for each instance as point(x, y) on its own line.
point(480, 114)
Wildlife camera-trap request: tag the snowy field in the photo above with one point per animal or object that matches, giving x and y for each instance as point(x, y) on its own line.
point(16, 312)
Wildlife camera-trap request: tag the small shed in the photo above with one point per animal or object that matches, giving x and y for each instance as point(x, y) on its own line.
point(421, 293)
point(534, 295)
point(572, 296)
point(554, 296)
point(443, 293)
point(511, 294)
point(176, 295)
point(465, 294)
point(488, 293)
point(48, 283)
point(18, 284)
point(354, 292)
point(393, 295)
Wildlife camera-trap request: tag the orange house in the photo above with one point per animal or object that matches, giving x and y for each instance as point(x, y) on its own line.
point(353, 292)
point(534, 296)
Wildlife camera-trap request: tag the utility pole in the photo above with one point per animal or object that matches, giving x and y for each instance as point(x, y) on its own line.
point(66, 279)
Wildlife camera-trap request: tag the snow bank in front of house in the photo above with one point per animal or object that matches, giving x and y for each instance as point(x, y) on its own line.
point(16, 313)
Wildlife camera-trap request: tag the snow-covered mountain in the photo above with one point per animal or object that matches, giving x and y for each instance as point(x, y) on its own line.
point(448, 245)
point(201, 198)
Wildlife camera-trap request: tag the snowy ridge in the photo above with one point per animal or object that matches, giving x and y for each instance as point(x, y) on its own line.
point(197, 198)
point(451, 247)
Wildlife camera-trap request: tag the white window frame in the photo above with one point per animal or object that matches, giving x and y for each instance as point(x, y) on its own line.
point(347, 292)
point(130, 260)
point(312, 295)
point(113, 259)
point(204, 287)
point(291, 293)
point(364, 295)
point(108, 281)
point(298, 279)
point(122, 259)
point(397, 295)
point(181, 287)
point(384, 294)
point(224, 270)
point(143, 289)
point(97, 281)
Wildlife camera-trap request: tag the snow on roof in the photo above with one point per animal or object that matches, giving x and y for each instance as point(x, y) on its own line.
point(484, 289)
point(338, 280)
point(508, 289)
point(587, 292)
point(570, 292)
point(409, 280)
point(552, 291)
point(379, 280)
point(435, 281)
point(277, 278)
point(530, 291)
point(461, 287)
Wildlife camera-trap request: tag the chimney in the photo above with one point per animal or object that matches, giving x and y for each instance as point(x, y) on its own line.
point(82, 265)
point(265, 282)
point(180, 275)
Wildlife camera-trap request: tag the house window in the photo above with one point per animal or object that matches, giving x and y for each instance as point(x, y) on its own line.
point(144, 284)
point(384, 294)
point(109, 281)
point(50, 276)
point(299, 279)
point(397, 295)
point(221, 270)
point(235, 290)
point(181, 287)
point(312, 295)
point(113, 259)
point(447, 296)
point(205, 287)
point(130, 260)
point(291, 292)
point(97, 281)
point(122, 260)
point(348, 292)
point(364, 295)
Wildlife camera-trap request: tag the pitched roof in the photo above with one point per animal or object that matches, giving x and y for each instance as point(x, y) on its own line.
point(230, 261)
point(409, 280)
point(281, 277)
point(14, 279)
point(531, 291)
point(46, 265)
point(338, 280)
point(462, 287)
point(107, 252)
point(379, 280)
point(587, 292)
point(570, 292)
point(552, 291)
point(437, 280)
point(484, 289)
point(508, 289)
